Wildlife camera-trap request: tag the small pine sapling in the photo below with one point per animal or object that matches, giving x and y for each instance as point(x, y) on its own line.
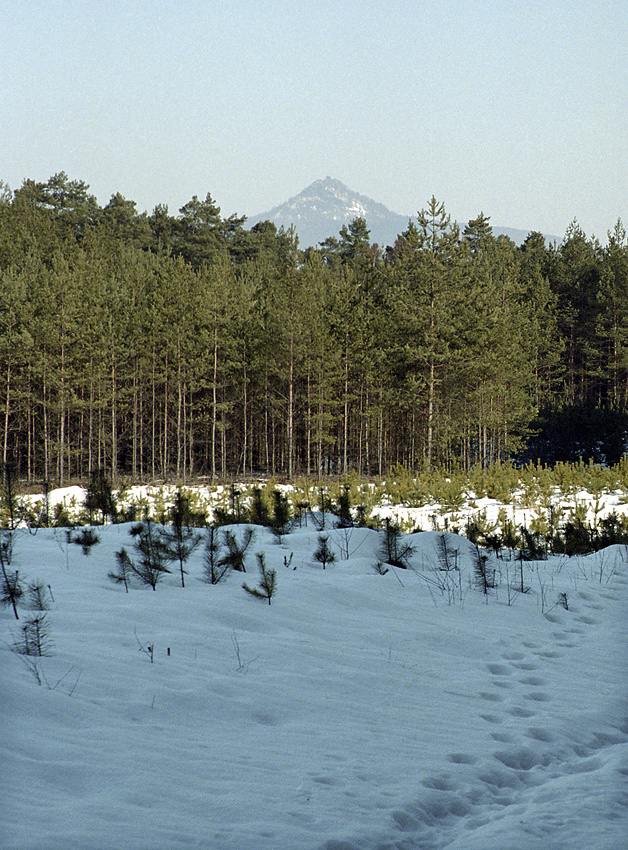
point(38, 596)
point(484, 576)
point(343, 509)
point(34, 637)
point(510, 538)
point(213, 569)
point(124, 569)
point(100, 497)
point(260, 514)
point(393, 550)
point(149, 544)
point(281, 515)
point(180, 540)
point(447, 558)
point(233, 516)
point(267, 583)
point(234, 557)
point(86, 539)
point(325, 508)
point(11, 591)
point(324, 554)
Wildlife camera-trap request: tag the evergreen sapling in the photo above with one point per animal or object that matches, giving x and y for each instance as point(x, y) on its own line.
point(267, 583)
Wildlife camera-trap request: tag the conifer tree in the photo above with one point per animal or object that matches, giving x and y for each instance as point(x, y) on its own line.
point(267, 583)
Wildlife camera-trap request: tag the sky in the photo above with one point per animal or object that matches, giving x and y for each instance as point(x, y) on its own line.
point(518, 110)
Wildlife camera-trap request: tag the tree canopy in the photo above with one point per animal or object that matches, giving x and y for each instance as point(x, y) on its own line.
point(159, 345)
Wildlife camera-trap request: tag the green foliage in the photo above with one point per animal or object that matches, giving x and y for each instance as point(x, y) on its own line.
point(234, 558)
point(168, 346)
point(323, 553)
point(152, 553)
point(124, 569)
point(62, 517)
point(100, 498)
point(484, 573)
point(39, 597)
point(86, 538)
point(281, 514)
point(215, 569)
point(260, 509)
point(267, 581)
point(179, 540)
point(34, 637)
point(394, 550)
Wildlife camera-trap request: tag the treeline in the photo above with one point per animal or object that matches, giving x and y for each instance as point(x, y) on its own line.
point(156, 346)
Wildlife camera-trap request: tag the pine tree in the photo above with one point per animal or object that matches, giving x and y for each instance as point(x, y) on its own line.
point(323, 553)
point(180, 540)
point(267, 583)
point(152, 553)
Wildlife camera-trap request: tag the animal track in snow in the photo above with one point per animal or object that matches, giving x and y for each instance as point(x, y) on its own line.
point(485, 695)
point(461, 758)
point(540, 734)
point(589, 621)
point(533, 680)
point(439, 783)
point(526, 665)
point(502, 737)
point(499, 669)
point(491, 718)
point(538, 696)
point(518, 711)
point(520, 759)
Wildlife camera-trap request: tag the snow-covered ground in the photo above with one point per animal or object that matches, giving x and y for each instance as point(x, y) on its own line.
point(358, 711)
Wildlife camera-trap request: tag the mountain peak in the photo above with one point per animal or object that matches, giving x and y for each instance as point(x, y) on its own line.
point(326, 205)
point(322, 208)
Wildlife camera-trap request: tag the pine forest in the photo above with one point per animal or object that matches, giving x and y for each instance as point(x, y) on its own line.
point(176, 346)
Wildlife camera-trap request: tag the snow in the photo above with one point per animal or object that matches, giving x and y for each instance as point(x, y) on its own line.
point(357, 712)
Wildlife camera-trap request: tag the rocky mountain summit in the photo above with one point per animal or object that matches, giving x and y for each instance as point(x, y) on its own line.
point(324, 206)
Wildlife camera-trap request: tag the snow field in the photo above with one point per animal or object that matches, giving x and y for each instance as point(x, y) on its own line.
point(357, 712)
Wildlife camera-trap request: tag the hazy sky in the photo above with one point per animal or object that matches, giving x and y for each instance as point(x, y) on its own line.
point(517, 109)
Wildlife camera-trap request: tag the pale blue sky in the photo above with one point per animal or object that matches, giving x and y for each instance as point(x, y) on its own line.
point(516, 109)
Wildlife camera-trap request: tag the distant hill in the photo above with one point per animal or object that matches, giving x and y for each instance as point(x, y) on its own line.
point(326, 205)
